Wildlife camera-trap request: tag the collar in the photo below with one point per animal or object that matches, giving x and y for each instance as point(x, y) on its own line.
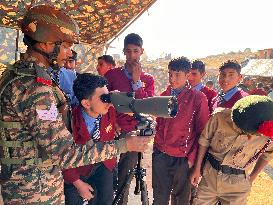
point(128, 75)
point(90, 121)
point(229, 94)
point(199, 86)
point(177, 91)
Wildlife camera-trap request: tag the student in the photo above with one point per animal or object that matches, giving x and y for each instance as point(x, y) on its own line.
point(105, 63)
point(130, 78)
point(93, 120)
point(259, 90)
point(176, 140)
point(247, 84)
point(197, 72)
point(235, 139)
point(210, 84)
point(229, 77)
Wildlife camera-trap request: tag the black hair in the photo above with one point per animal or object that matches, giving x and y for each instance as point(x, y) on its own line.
point(180, 64)
point(74, 55)
point(85, 85)
point(134, 39)
point(209, 82)
point(108, 59)
point(198, 65)
point(233, 64)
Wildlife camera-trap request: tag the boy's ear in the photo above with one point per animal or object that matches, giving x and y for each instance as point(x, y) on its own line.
point(142, 51)
point(85, 103)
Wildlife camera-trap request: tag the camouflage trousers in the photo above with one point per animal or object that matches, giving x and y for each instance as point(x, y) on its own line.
point(34, 187)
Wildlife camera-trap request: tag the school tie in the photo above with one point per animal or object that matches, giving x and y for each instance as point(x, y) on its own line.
point(221, 98)
point(173, 93)
point(96, 132)
point(56, 76)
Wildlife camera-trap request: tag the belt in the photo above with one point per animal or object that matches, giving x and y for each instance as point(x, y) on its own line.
point(223, 168)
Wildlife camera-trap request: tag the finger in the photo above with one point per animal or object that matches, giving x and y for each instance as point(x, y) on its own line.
point(90, 188)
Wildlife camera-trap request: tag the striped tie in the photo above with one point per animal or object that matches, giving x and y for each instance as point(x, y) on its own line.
point(56, 76)
point(221, 98)
point(96, 132)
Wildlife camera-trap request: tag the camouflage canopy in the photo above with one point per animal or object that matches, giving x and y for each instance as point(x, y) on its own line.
point(99, 20)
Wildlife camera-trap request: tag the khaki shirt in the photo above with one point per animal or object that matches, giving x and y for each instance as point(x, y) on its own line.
point(227, 143)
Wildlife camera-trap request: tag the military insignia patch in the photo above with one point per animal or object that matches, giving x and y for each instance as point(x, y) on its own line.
point(50, 114)
point(109, 128)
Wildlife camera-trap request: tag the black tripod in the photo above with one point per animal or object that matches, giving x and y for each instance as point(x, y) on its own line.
point(144, 128)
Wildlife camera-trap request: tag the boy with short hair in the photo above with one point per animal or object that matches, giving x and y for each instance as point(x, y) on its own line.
point(229, 77)
point(92, 120)
point(105, 63)
point(130, 78)
point(175, 143)
point(235, 139)
point(197, 72)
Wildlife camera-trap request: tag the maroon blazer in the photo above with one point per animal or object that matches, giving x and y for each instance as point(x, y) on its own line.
point(178, 136)
point(117, 80)
point(210, 94)
point(82, 136)
point(229, 104)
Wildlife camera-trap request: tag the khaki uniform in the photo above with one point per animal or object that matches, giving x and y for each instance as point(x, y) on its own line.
point(38, 110)
point(227, 144)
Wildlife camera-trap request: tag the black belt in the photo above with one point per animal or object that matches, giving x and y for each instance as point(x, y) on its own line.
point(223, 168)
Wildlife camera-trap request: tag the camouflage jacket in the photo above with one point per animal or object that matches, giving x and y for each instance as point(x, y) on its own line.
point(39, 105)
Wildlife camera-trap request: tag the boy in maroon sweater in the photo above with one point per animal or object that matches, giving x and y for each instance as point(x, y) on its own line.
point(229, 77)
point(93, 120)
point(129, 78)
point(176, 140)
point(197, 72)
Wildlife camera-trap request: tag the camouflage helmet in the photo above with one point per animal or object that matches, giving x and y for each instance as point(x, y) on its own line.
point(45, 23)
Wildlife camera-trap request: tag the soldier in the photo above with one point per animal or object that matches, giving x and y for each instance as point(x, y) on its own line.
point(35, 141)
point(235, 139)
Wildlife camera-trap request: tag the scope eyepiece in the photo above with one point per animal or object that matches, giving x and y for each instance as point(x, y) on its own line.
point(105, 98)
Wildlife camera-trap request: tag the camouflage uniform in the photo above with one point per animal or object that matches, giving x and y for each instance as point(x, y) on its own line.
point(35, 142)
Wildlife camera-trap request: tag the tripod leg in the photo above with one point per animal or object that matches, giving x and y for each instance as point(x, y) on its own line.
point(125, 185)
point(144, 193)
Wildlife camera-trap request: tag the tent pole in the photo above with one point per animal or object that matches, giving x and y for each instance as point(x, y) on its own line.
point(17, 45)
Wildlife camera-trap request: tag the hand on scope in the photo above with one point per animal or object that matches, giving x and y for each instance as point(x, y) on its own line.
point(137, 143)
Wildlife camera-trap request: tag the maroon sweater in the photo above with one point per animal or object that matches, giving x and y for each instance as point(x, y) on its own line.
point(210, 94)
point(117, 80)
point(178, 136)
point(81, 136)
point(229, 104)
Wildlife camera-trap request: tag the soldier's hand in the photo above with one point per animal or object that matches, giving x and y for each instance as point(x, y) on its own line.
point(137, 143)
point(195, 177)
point(85, 190)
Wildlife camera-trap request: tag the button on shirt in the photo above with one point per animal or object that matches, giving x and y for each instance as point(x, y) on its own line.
point(227, 143)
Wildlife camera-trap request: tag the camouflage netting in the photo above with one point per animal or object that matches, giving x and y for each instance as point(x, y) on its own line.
point(99, 22)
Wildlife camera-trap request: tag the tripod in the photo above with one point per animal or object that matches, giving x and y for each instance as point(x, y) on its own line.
point(145, 129)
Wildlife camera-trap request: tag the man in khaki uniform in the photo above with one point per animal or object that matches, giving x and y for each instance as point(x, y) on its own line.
point(234, 140)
